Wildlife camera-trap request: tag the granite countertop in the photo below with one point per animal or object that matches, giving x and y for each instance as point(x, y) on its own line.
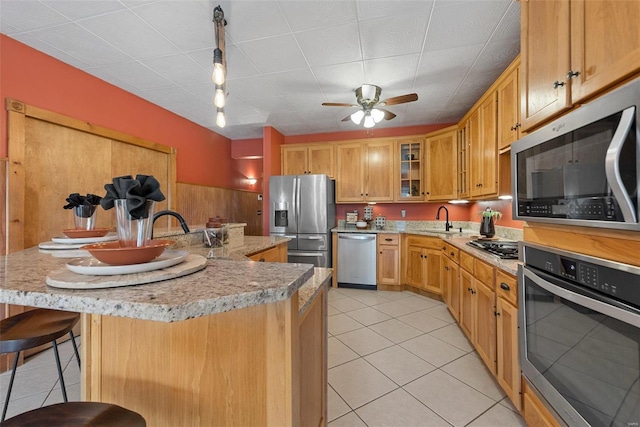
point(223, 285)
point(308, 292)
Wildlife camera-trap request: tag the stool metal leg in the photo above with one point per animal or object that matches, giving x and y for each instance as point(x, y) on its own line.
point(75, 348)
point(13, 374)
point(55, 352)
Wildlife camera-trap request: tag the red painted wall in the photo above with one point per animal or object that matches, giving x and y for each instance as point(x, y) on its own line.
point(203, 156)
point(504, 206)
point(362, 134)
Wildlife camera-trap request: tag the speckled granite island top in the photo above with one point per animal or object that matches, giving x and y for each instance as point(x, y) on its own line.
point(223, 285)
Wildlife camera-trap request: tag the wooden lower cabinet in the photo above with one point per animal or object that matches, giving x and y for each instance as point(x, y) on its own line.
point(422, 263)
point(451, 286)
point(275, 254)
point(485, 324)
point(534, 412)
point(388, 261)
point(261, 365)
point(508, 370)
point(477, 310)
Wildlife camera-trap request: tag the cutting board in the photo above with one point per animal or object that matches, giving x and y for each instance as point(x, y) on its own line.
point(66, 279)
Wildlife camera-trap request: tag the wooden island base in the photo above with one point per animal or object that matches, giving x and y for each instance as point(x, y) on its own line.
point(261, 365)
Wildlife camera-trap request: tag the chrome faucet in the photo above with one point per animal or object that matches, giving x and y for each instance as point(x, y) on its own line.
point(447, 226)
point(176, 215)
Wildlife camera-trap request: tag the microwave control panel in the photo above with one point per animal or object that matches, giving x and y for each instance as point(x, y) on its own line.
point(596, 208)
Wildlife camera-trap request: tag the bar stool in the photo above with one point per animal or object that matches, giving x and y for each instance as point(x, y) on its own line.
point(78, 414)
point(32, 329)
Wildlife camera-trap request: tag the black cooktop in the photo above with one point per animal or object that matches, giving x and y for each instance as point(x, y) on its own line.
point(505, 249)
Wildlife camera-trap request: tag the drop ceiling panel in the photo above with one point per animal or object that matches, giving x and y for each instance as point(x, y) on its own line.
point(385, 9)
point(273, 54)
point(130, 34)
point(74, 9)
point(135, 74)
point(329, 46)
point(250, 20)
point(309, 15)
point(248, 88)
point(188, 25)
point(29, 15)
point(399, 35)
point(75, 41)
point(340, 78)
point(395, 73)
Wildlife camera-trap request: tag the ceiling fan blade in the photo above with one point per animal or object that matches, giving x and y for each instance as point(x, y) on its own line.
point(388, 115)
point(410, 97)
point(338, 104)
point(346, 119)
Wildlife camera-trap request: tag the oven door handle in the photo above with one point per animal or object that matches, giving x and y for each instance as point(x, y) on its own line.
point(612, 165)
point(599, 306)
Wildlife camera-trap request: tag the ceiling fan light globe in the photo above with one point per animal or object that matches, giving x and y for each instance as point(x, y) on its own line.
point(369, 122)
point(377, 115)
point(357, 117)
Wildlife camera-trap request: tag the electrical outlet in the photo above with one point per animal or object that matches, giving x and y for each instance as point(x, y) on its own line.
point(403, 213)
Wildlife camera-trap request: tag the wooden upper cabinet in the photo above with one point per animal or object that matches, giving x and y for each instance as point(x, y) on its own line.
point(483, 148)
point(410, 174)
point(544, 56)
point(308, 159)
point(462, 162)
point(320, 159)
point(441, 171)
point(605, 44)
point(379, 171)
point(365, 171)
point(294, 160)
point(509, 109)
point(571, 50)
point(350, 177)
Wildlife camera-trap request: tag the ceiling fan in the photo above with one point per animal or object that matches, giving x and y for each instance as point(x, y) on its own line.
point(368, 98)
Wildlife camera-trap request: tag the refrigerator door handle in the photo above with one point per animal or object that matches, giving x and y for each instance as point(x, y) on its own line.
point(310, 237)
point(296, 199)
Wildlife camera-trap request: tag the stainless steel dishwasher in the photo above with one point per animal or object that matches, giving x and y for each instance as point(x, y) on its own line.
point(357, 260)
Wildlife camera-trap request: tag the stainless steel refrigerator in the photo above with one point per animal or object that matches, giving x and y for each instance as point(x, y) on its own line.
point(302, 207)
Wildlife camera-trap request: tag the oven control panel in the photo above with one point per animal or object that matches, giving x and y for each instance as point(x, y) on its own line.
point(621, 281)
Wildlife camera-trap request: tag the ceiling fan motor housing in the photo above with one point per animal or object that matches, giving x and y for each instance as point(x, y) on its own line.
point(368, 95)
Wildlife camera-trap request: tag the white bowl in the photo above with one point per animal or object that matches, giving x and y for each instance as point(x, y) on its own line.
point(361, 224)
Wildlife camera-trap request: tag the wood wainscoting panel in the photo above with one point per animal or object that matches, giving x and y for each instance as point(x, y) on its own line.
point(198, 203)
point(615, 245)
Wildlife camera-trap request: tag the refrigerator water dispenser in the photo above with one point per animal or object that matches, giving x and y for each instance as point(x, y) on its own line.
point(281, 213)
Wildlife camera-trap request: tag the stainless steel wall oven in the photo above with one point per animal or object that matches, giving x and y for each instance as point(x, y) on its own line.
point(583, 168)
point(579, 333)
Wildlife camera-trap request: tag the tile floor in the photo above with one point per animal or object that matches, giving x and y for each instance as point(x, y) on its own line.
point(399, 359)
point(396, 359)
point(36, 383)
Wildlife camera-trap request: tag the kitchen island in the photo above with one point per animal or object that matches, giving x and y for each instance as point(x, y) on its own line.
point(238, 343)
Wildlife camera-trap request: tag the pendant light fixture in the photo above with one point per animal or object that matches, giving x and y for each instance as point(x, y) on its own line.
point(219, 66)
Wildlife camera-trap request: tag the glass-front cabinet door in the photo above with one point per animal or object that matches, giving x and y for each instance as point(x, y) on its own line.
point(410, 159)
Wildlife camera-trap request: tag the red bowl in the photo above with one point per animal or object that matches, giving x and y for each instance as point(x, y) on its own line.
point(74, 233)
point(111, 253)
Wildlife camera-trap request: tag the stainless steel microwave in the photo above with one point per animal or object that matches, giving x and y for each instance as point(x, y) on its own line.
point(583, 168)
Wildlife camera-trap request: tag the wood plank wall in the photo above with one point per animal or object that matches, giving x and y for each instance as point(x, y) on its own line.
point(198, 203)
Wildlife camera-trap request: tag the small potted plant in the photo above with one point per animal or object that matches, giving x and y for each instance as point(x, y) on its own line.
point(487, 227)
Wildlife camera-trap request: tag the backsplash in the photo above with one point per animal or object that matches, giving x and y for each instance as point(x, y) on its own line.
point(468, 227)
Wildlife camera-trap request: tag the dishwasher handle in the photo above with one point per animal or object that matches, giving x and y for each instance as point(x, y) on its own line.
point(356, 237)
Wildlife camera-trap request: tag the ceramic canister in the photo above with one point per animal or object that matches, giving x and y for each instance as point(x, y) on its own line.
point(381, 221)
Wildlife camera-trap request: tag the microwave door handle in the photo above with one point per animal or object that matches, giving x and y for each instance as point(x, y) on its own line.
point(612, 165)
point(599, 306)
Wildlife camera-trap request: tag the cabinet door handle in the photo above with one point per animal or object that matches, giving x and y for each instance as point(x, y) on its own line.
point(571, 74)
point(452, 254)
point(505, 286)
point(496, 313)
point(557, 84)
point(388, 239)
point(261, 260)
point(444, 248)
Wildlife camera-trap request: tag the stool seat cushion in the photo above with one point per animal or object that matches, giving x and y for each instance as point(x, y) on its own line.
point(33, 328)
point(77, 414)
